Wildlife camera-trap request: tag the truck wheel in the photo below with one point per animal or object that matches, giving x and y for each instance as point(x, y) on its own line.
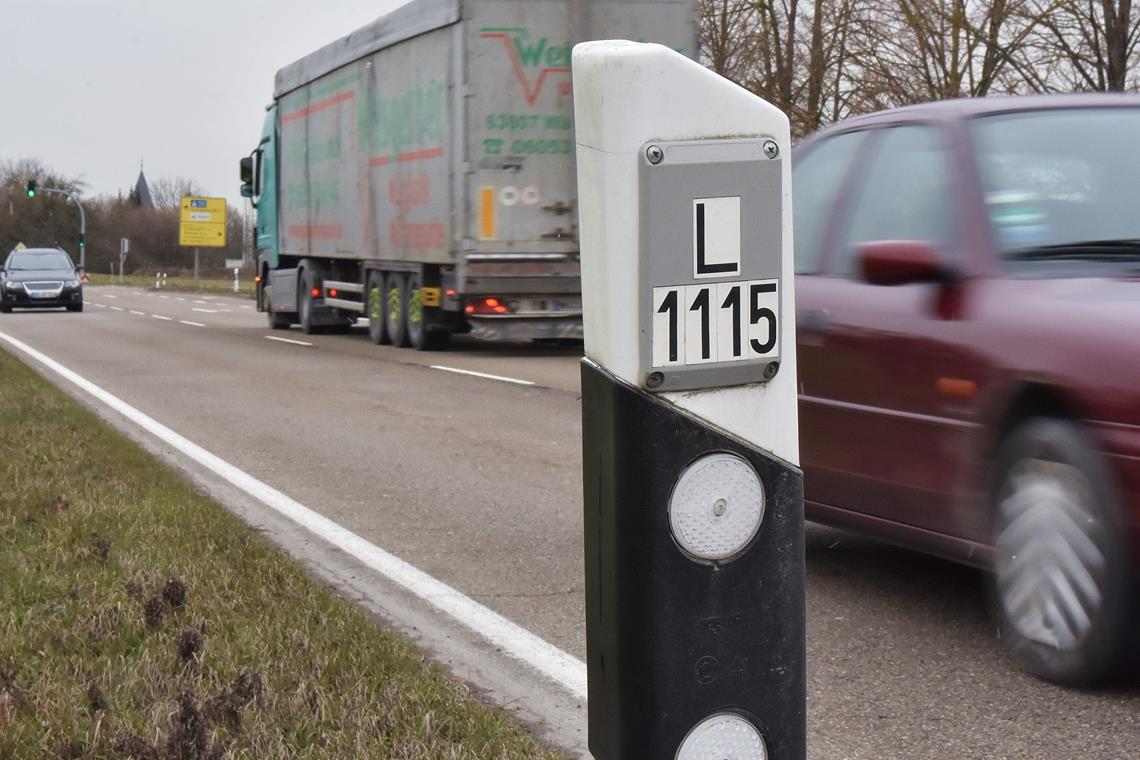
point(395, 312)
point(1063, 588)
point(374, 303)
point(419, 336)
point(305, 306)
point(276, 321)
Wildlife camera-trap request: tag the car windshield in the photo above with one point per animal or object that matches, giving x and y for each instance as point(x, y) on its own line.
point(27, 262)
point(1062, 184)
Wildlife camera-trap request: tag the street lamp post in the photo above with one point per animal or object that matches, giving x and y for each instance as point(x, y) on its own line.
point(82, 222)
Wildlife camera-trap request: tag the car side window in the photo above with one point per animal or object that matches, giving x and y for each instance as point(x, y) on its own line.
point(906, 194)
point(816, 181)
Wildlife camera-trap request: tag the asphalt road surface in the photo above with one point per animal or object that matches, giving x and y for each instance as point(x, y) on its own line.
point(476, 481)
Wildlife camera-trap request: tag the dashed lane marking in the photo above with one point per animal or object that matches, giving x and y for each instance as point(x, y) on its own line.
point(287, 340)
point(483, 375)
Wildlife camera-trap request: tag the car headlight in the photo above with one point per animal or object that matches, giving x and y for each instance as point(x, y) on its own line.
point(10, 285)
point(71, 284)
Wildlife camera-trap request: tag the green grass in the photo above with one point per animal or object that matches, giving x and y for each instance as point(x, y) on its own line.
point(182, 284)
point(138, 618)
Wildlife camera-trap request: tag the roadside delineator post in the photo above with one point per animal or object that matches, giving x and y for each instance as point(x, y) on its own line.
point(693, 497)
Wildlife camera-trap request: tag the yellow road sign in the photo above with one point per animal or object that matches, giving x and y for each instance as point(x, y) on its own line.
point(202, 222)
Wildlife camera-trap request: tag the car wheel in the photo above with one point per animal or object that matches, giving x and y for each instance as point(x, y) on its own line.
point(419, 337)
point(374, 303)
point(395, 312)
point(1063, 585)
point(5, 309)
point(75, 306)
point(305, 306)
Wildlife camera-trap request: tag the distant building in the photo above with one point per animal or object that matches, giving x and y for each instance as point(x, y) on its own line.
point(140, 193)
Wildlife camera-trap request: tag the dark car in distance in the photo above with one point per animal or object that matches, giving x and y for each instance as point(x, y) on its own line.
point(37, 278)
point(968, 315)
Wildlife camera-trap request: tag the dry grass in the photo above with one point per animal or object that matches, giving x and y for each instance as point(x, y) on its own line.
point(183, 284)
point(140, 619)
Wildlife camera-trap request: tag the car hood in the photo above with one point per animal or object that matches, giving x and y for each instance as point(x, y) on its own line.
point(36, 275)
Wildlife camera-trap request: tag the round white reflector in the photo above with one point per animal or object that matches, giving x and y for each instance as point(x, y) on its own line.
point(716, 506)
point(723, 737)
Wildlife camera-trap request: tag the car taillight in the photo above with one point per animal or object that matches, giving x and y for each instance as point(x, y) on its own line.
point(316, 292)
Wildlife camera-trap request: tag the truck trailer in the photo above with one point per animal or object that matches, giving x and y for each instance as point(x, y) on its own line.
point(419, 172)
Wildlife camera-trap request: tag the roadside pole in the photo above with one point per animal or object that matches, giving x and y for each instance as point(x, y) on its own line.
point(195, 267)
point(693, 496)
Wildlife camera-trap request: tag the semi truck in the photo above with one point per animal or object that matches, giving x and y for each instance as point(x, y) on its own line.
point(419, 172)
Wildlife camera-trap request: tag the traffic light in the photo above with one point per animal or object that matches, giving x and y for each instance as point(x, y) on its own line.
point(82, 241)
point(31, 188)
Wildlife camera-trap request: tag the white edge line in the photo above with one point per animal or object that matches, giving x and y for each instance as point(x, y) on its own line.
point(159, 316)
point(514, 640)
point(188, 322)
point(484, 375)
point(287, 340)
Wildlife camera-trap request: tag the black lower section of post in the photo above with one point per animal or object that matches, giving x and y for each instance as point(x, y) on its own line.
point(671, 641)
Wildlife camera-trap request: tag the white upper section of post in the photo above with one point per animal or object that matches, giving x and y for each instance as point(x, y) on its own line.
point(628, 94)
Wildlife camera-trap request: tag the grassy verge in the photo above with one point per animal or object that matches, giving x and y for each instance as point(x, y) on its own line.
point(218, 285)
point(140, 619)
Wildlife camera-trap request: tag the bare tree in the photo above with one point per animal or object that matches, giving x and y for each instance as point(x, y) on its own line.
point(167, 192)
point(1092, 44)
point(909, 51)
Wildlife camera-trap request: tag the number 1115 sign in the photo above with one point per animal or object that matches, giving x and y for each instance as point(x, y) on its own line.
point(717, 322)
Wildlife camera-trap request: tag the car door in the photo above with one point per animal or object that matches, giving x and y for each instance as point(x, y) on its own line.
point(876, 362)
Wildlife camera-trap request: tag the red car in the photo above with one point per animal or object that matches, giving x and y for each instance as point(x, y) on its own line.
point(968, 303)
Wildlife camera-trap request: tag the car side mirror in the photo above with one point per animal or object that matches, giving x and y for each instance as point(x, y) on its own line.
point(246, 167)
point(246, 190)
point(901, 262)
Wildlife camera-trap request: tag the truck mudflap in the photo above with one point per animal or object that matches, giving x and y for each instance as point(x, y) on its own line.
point(524, 328)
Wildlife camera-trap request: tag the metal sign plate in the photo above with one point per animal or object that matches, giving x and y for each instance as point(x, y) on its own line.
point(711, 271)
point(202, 222)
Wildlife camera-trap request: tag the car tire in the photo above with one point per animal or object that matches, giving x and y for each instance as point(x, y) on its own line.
point(75, 306)
point(1063, 588)
point(305, 306)
point(395, 309)
point(419, 336)
point(374, 307)
point(5, 309)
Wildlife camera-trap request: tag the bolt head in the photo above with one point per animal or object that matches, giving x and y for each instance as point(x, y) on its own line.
point(771, 149)
point(654, 154)
point(654, 380)
point(770, 370)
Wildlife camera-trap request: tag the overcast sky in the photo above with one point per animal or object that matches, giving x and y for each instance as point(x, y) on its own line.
point(91, 87)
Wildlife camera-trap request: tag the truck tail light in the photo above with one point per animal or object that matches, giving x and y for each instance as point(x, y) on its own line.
point(315, 292)
point(487, 305)
point(332, 292)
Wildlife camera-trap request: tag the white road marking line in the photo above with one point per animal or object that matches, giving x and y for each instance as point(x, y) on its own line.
point(159, 316)
point(247, 307)
point(117, 308)
point(514, 640)
point(192, 324)
point(197, 301)
point(140, 313)
point(101, 305)
point(108, 295)
point(288, 340)
point(482, 374)
point(179, 298)
point(167, 297)
point(205, 311)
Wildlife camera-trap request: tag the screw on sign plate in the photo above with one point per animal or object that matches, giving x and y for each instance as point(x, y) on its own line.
point(654, 154)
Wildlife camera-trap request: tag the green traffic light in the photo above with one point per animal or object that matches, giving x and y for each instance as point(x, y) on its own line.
point(31, 188)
